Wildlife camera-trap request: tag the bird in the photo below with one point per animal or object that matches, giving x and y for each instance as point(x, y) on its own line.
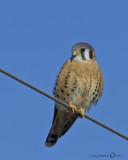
point(79, 84)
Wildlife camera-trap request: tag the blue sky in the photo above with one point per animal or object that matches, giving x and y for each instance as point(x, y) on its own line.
point(36, 38)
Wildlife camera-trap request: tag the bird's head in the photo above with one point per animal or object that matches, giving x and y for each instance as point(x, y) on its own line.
point(82, 52)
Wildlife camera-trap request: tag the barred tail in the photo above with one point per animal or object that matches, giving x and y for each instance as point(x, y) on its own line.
point(51, 139)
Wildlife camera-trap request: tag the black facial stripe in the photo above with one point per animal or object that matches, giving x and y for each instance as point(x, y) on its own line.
point(72, 57)
point(90, 54)
point(82, 55)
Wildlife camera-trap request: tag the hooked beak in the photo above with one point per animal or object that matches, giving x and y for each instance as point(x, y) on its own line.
point(76, 53)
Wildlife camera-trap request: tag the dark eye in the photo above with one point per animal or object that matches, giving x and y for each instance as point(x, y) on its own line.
point(82, 49)
point(91, 54)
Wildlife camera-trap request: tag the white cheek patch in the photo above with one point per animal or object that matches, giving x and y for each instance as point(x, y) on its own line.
point(78, 58)
point(86, 54)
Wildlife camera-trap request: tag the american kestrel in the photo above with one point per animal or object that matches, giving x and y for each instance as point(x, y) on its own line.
point(79, 84)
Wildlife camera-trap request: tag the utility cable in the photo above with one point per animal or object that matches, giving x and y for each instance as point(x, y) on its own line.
point(62, 103)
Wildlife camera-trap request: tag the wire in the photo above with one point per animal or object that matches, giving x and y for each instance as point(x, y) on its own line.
point(62, 103)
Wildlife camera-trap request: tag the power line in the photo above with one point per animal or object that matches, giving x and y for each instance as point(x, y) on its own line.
point(62, 103)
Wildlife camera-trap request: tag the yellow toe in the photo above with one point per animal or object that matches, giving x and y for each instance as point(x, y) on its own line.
point(74, 109)
point(82, 113)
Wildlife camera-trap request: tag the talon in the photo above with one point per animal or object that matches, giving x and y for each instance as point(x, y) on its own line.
point(74, 109)
point(82, 113)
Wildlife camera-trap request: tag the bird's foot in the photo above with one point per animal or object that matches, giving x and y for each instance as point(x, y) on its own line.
point(82, 113)
point(74, 109)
